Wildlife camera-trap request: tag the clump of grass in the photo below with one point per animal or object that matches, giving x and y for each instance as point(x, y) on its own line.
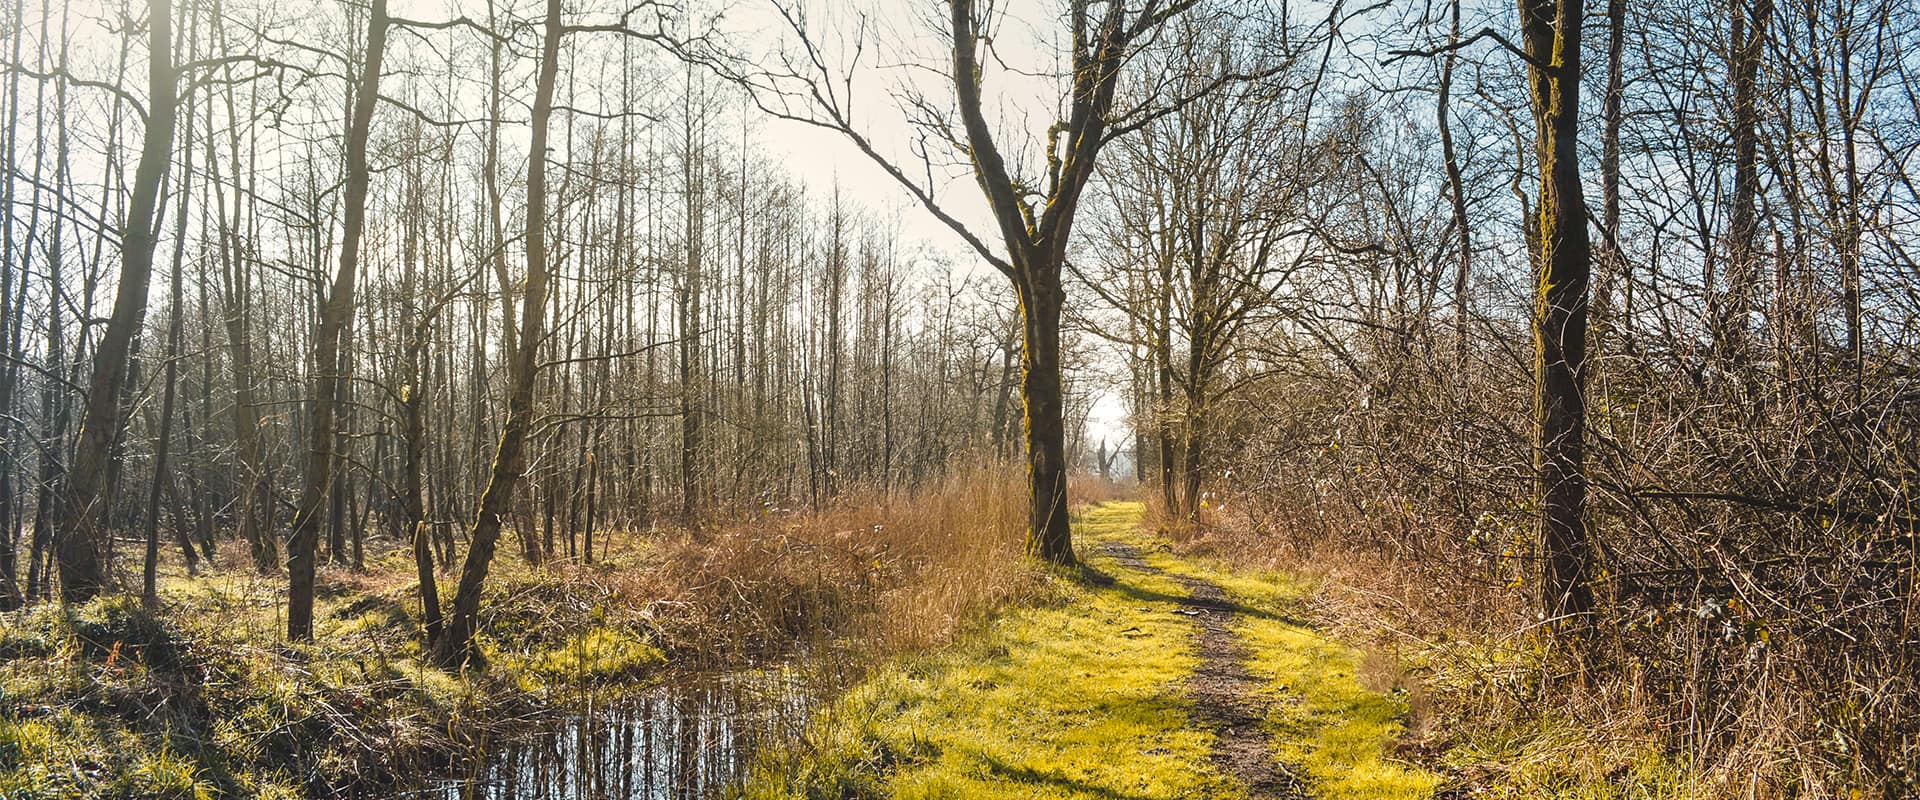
point(164, 774)
point(599, 656)
point(23, 742)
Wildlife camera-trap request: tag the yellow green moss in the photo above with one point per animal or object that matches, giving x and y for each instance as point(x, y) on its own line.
point(1087, 699)
point(1325, 721)
point(600, 655)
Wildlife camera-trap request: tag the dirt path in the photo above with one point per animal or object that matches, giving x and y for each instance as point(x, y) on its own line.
point(1225, 696)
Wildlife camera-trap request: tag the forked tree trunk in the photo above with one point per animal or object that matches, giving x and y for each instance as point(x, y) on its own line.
point(455, 647)
point(82, 567)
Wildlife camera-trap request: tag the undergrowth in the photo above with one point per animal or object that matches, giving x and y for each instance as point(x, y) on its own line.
point(204, 697)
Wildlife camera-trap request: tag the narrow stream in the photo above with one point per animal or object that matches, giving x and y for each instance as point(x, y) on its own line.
point(681, 742)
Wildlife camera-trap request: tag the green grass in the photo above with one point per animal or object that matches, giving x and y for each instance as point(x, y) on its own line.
point(1325, 721)
point(1085, 698)
point(206, 699)
point(601, 655)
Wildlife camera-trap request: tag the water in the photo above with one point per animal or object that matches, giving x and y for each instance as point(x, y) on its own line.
point(681, 742)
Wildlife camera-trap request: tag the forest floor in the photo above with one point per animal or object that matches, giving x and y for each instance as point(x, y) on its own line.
point(204, 696)
point(1155, 677)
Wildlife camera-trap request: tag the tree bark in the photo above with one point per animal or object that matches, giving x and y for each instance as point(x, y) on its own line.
point(1551, 29)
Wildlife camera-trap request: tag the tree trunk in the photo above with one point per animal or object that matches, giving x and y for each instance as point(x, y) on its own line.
point(1048, 534)
point(1748, 34)
point(1457, 194)
point(83, 570)
point(1614, 267)
point(1195, 467)
point(455, 647)
point(162, 448)
point(1163, 378)
point(413, 439)
point(689, 325)
point(1552, 33)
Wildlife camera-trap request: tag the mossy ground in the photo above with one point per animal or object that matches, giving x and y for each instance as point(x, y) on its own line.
point(1326, 722)
point(1085, 697)
point(205, 698)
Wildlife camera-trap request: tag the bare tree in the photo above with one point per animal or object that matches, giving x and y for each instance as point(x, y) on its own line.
point(1551, 31)
point(455, 647)
point(83, 532)
point(1033, 215)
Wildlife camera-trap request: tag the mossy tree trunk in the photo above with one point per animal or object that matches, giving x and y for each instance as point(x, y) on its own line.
point(1044, 421)
point(455, 646)
point(1552, 35)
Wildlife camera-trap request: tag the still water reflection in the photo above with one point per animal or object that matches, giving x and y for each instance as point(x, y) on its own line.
point(682, 742)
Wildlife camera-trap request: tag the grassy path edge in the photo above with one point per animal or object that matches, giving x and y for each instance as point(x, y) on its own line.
point(1086, 696)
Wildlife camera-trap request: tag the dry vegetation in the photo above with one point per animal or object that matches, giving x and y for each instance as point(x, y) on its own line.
point(1426, 556)
point(107, 699)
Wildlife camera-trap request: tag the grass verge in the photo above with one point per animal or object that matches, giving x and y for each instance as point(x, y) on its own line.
point(1487, 703)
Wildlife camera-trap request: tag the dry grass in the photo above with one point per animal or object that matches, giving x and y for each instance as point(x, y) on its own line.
point(206, 695)
point(876, 573)
point(1512, 712)
point(1087, 489)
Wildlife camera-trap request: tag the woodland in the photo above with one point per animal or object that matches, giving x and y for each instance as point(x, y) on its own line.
point(1414, 398)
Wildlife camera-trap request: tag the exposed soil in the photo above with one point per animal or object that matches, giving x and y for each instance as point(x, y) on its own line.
point(1226, 698)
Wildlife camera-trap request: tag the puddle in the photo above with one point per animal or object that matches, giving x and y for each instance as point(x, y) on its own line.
point(681, 742)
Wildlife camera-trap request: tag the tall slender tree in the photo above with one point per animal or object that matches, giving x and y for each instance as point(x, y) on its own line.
point(335, 315)
point(1551, 31)
point(83, 529)
point(455, 647)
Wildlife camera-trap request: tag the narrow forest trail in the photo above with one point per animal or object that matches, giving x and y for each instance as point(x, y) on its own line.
point(1226, 698)
point(1175, 681)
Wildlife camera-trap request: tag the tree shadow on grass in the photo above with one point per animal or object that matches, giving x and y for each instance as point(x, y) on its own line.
point(1093, 576)
point(1034, 777)
point(1145, 595)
